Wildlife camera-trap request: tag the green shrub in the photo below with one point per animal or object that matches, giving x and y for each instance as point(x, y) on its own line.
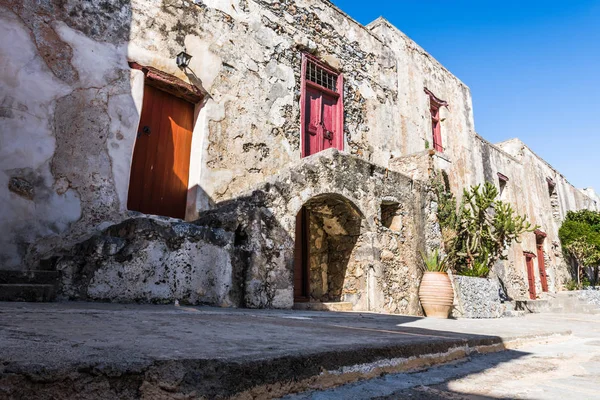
point(434, 262)
point(476, 235)
point(571, 285)
point(479, 270)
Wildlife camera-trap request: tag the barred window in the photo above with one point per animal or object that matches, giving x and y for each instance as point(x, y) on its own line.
point(319, 75)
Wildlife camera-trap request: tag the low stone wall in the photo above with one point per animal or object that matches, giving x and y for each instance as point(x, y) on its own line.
point(476, 297)
point(590, 295)
point(153, 260)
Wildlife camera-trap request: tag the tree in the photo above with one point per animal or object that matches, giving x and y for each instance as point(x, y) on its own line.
point(581, 251)
point(483, 228)
point(580, 237)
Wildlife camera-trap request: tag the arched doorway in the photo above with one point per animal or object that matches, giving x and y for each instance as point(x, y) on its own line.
point(328, 228)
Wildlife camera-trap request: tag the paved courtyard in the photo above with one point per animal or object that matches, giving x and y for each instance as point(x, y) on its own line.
point(86, 350)
point(565, 368)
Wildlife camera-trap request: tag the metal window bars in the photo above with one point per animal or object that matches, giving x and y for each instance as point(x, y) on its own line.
point(319, 75)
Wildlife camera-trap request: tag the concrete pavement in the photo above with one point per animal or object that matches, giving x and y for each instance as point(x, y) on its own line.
point(563, 368)
point(93, 350)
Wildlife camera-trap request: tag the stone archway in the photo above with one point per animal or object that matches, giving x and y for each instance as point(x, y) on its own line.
point(327, 234)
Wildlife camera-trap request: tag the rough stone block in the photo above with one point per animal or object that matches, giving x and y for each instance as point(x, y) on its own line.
point(21, 187)
point(476, 297)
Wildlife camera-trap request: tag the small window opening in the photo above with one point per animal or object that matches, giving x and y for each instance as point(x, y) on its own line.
point(554, 202)
point(502, 180)
point(551, 186)
point(391, 216)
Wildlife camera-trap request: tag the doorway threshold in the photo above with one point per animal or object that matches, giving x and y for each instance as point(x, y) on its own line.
point(318, 306)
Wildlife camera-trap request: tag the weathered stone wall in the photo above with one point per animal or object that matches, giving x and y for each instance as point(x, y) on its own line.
point(476, 297)
point(61, 114)
point(546, 208)
point(70, 108)
point(470, 160)
point(332, 177)
point(334, 230)
point(241, 253)
point(68, 89)
point(153, 260)
point(417, 70)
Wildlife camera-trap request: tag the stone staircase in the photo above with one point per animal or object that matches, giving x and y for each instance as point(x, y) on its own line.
point(510, 311)
point(557, 303)
point(33, 285)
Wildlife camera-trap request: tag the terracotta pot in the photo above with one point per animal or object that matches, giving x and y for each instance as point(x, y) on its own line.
point(436, 294)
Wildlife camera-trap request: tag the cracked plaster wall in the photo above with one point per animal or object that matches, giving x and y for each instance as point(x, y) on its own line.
point(68, 89)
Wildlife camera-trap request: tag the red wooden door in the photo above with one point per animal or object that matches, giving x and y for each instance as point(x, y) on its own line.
point(322, 108)
point(330, 131)
point(542, 268)
point(530, 276)
point(322, 130)
point(313, 126)
point(158, 182)
point(301, 257)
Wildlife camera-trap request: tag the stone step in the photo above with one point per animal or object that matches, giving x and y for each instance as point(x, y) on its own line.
point(565, 294)
point(533, 306)
point(27, 292)
point(556, 310)
point(588, 309)
point(513, 313)
point(318, 306)
point(39, 277)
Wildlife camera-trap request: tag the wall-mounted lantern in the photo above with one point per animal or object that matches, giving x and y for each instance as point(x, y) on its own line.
point(183, 60)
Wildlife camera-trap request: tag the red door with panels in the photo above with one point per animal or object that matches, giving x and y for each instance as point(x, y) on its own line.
point(322, 111)
point(542, 268)
point(540, 236)
point(301, 258)
point(530, 275)
point(434, 107)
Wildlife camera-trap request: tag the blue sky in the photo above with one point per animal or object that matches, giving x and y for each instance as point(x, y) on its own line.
point(533, 68)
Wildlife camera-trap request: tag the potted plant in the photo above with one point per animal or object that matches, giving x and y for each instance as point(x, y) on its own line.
point(435, 292)
point(476, 235)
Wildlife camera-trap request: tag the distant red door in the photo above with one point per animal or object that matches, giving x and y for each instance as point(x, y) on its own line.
point(437, 129)
point(542, 268)
point(301, 281)
point(322, 109)
point(530, 275)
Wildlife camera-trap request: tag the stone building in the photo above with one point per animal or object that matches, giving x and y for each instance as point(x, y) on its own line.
point(287, 162)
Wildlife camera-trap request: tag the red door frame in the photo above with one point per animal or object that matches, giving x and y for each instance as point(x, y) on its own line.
point(530, 274)
point(539, 238)
point(302, 257)
point(434, 107)
point(338, 122)
point(436, 128)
